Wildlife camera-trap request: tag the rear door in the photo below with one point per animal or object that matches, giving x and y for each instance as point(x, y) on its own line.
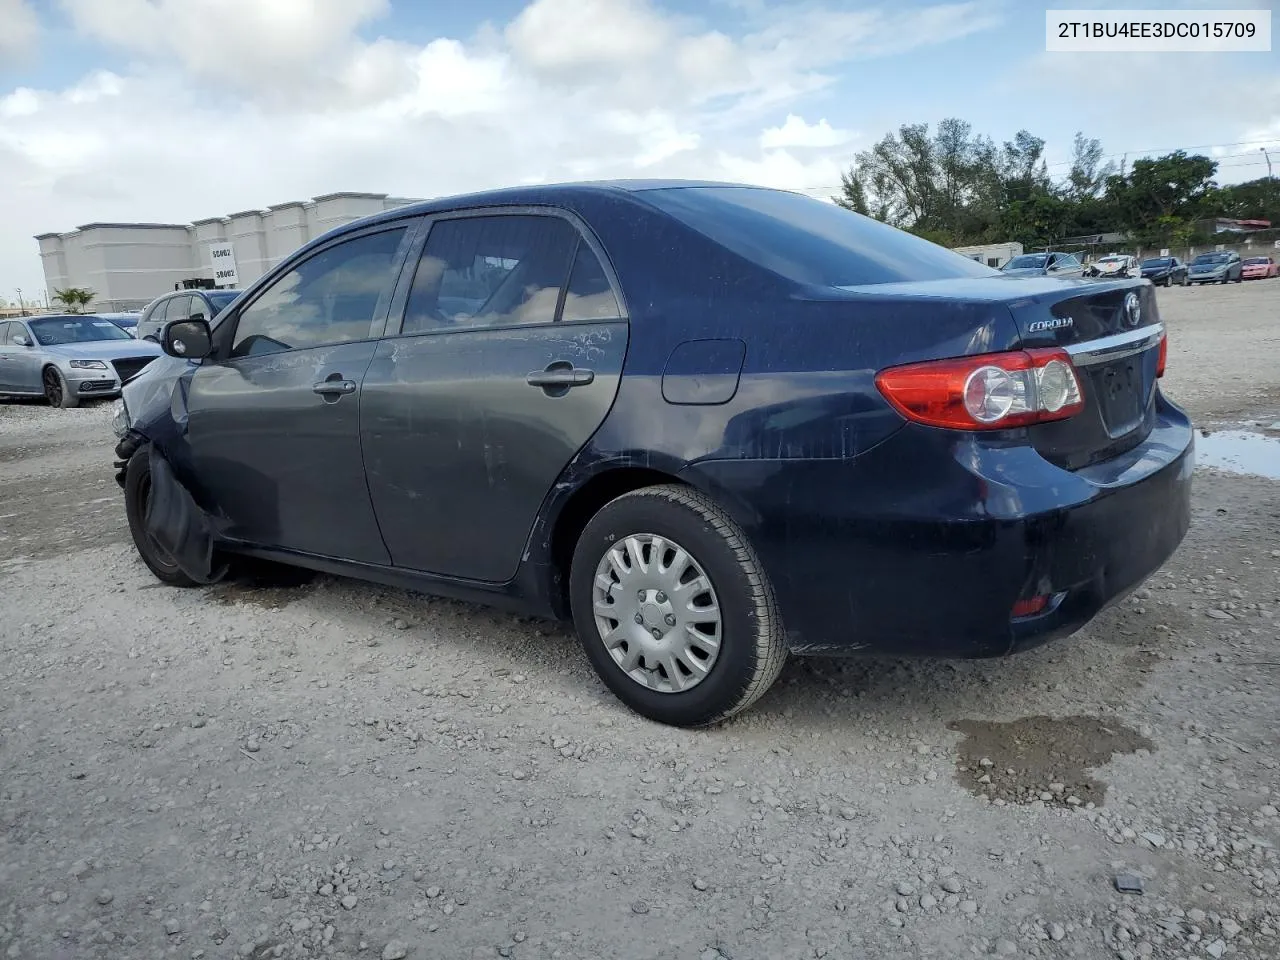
point(25, 365)
point(8, 365)
point(274, 414)
point(503, 360)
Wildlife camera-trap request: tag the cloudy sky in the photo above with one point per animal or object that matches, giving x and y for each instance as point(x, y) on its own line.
point(173, 110)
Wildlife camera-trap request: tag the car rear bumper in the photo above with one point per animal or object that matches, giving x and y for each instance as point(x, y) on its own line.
point(923, 545)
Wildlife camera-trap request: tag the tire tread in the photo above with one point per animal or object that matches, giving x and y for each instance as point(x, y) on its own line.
point(770, 638)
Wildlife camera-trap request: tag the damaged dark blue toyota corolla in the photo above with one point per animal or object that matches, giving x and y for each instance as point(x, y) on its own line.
point(709, 423)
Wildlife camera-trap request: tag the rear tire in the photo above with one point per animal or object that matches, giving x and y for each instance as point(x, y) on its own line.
point(673, 538)
point(137, 492)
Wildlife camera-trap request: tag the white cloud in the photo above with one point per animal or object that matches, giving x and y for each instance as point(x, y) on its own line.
point(796, 133)
point(257, 44)
point(283, 100)
point(569, 34)
point(18, 29)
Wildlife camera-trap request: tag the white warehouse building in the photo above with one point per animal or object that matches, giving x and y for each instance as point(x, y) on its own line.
point(127, 265)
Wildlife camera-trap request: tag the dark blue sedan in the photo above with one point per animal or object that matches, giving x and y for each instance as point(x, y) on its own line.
point(711, 424)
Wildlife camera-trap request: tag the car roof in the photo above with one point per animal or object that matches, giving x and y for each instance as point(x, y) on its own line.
point(533, 195)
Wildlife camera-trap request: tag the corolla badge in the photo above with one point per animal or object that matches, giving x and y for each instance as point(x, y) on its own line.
point(1132, 310)
point(1057, 323)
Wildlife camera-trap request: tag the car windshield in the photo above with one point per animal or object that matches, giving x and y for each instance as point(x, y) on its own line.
point(1258, 261)
point(51, 331)
point(1157, 262)
point(810, 241)
point(1112, 260)
point(1211, 258)
point(220, 298)
point(1031, 261)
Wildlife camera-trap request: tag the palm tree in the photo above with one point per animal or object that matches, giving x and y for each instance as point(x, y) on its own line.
point(74, 298)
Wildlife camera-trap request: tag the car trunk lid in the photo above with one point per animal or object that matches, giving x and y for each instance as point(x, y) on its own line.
point(1112, 331)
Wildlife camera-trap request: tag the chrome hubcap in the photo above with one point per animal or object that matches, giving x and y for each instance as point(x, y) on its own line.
point(657, 613)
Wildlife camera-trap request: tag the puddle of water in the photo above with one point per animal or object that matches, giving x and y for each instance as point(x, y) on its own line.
point(1024, 758)
point(1239, 451)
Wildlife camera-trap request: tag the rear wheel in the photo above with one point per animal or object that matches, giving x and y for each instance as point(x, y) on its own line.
point(673, 609)
point(57, 391)
point(137, 494)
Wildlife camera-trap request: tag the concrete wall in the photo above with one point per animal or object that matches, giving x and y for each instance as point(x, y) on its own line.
point(130, 264)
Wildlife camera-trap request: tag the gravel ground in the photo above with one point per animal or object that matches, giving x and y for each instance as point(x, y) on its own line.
point(326, 768)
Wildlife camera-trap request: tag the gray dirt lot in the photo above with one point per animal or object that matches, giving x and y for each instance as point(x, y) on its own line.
point(340, 770)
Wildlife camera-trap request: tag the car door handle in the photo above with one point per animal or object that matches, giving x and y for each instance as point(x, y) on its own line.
point(560, 377)
point(334, 388)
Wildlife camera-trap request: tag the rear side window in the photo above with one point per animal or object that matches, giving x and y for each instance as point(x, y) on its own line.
point(589, 296)
point(810, 241)
point(331, 297)
point(490, 271)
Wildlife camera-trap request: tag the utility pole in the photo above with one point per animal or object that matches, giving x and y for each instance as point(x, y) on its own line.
point(22, 306)
point(1271, 184)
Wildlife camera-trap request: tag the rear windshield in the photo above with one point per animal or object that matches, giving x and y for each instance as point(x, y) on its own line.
point(1157, 262)
point(1211, 258)
point(1258, 261)
point(811, 241)
point(222, 297)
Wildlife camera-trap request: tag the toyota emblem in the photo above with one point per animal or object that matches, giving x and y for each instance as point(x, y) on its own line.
point(1132, 310)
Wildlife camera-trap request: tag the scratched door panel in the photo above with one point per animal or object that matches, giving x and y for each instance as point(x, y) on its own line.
point(460, 449)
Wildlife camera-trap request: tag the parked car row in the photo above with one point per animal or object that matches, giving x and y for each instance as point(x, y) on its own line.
point(1221, 266)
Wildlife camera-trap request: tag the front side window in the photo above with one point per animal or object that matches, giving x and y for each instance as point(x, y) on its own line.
point(331, 297)
point(179, 308)
point(490, 271)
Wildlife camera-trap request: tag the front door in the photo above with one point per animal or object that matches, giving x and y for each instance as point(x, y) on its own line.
point(274, 415)
point(507, 361)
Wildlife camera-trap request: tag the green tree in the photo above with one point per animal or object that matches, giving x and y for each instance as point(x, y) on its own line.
point(1159, 194)
point(1088, 174)
point(74, 298)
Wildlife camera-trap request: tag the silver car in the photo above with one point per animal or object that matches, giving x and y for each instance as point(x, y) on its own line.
point(68, 358)
point(1047, 264)
point(181, 305)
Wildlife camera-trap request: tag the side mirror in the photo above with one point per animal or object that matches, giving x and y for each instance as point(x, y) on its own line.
point(187, 339)
point(22, 340)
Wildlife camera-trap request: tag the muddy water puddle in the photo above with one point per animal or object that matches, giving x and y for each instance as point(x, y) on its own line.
point(1240, 451)
point(1041, 758)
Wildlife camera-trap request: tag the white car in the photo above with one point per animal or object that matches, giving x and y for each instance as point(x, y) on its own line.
point(1114, 266)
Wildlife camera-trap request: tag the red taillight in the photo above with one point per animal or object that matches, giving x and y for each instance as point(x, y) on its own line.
point(1029, 607)
point(993, 391)
point(1164, 354)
